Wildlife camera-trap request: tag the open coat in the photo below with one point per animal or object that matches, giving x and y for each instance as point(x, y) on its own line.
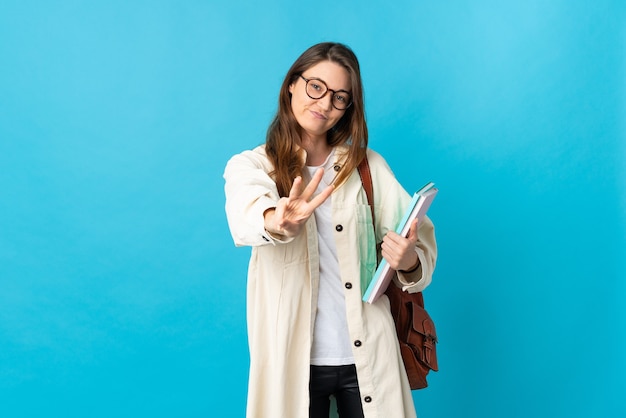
point(283, 279)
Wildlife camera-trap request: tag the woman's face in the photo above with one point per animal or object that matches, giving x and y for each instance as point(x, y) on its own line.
point(317, 116)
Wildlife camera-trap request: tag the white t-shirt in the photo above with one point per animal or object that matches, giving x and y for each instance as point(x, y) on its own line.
point(331, 340)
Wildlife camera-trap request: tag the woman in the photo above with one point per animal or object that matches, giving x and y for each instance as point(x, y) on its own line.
point(298, 201)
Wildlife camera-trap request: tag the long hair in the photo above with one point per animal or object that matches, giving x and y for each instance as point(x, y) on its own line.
point(284, 133)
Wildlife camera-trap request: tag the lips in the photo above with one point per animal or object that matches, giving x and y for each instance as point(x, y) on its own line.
point(318, 115)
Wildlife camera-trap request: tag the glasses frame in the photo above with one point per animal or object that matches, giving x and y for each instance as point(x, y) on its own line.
point(332, 101)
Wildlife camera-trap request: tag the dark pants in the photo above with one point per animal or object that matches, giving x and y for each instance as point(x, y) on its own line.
point(339, 381)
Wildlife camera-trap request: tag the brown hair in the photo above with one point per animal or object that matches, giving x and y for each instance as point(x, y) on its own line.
point(284, 133)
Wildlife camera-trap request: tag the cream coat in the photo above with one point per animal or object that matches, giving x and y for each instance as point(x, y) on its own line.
point(283, 279)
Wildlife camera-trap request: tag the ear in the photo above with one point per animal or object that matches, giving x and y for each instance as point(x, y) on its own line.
point(291, 87)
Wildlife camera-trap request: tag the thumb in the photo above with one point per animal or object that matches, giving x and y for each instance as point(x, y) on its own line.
point(413, 231)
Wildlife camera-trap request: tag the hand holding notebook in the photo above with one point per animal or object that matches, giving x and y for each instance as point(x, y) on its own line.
point(418, 207)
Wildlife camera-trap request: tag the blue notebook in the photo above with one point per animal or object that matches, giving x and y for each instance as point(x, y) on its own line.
point(418, 207)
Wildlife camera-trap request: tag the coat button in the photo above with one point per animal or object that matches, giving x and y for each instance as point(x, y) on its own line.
point(348, 285)
point(358, 343)
point(337, 167)
point(339, 228)
point(368, 399)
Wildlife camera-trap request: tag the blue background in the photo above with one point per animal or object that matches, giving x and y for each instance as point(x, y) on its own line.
point(121, 293)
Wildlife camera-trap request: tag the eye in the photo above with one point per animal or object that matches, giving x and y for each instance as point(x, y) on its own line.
point(316, 86)
point(342, 98)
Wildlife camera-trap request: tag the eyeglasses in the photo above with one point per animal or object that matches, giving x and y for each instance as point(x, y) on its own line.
point(316, 89)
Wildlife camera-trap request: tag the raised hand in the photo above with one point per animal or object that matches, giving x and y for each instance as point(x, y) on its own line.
point(400, 251)
point(293, 211)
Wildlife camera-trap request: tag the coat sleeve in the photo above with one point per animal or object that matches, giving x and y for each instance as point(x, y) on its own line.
point(391, 200)
point(250, 191)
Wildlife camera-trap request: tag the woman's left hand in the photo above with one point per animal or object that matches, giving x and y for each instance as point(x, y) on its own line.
point(399, 251)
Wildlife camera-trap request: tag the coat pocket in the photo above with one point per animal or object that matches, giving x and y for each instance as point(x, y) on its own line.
point(366, 244)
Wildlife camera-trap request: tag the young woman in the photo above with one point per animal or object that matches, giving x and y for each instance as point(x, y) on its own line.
point(298, 201)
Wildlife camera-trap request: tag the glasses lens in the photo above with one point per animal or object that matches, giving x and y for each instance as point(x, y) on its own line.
point(342, 100)
point(316, 89)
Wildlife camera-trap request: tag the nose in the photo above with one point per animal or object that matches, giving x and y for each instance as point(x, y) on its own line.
point(326, 101)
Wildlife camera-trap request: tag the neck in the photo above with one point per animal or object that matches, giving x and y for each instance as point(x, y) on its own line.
point(316, 151)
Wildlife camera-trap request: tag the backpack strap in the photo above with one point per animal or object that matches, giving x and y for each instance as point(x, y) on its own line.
point(366, 180)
